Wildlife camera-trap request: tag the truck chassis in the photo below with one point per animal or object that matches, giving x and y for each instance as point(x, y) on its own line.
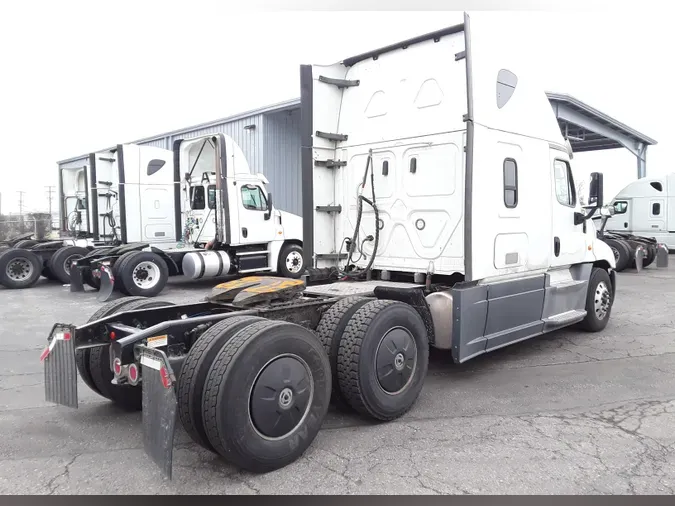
point(250, 371)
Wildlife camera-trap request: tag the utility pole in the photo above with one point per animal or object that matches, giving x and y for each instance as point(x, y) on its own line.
point(21, 202)
point(50, 191)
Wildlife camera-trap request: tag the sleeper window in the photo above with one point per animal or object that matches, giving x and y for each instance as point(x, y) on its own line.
point(564, 183)
point(510, 183)
point(253, 198)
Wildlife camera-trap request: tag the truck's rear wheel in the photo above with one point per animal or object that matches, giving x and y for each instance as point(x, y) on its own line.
point(651, 255)
point(266, 395)
point(127, 397)
point(144, 274)
point(383, 359)
point(61, 261)
point(82, 356)
point(599, 301)
point(19, 268)
point(291, 261)
point(330, 330)
point(193, 373)
point(621, 253)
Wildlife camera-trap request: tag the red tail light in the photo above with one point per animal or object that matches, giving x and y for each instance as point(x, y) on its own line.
point(117, 367)
point(166, 381)
point(132, 374)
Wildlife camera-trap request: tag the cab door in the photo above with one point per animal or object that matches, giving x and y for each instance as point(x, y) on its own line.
point(256, 219)
point(568, 242)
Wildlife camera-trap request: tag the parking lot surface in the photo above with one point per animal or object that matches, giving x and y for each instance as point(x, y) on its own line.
point(566, 413)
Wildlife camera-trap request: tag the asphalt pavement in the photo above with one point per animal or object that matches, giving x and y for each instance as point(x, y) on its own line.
point(566, 413)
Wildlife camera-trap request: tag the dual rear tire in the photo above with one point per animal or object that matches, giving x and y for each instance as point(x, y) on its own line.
point(255, 391)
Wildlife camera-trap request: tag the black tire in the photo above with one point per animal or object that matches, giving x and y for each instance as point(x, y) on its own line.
point(233, 421)
point(25, 244)
point(195, 369)
point(60, 262)
point(599, 292)
point(126, 271)
point(82, 356)
point(621, 253)
point(115, 270)
point(291, 253)
point(48, 273)
point(19, 268)
point(358, 355)
point(127, 397)
point(330, 331)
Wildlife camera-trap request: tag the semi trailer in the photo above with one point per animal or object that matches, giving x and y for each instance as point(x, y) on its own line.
point(439, 205)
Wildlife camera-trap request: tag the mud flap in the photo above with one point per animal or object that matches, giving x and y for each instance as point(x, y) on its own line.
point(59, 366)
point(107, 284)
point(76, 278)
point(662, 256)
point(159, 407)
point(639, 258)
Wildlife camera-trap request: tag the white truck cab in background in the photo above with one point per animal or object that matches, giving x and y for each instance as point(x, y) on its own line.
point(196, 210)
point(646, 207)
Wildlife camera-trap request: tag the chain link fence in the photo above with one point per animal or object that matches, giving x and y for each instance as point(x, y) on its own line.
point(40, 224)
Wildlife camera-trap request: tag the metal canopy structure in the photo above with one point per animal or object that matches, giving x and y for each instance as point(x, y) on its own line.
point(591, 130)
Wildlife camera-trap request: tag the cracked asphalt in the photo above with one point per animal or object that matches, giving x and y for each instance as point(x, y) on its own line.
point(566, 413)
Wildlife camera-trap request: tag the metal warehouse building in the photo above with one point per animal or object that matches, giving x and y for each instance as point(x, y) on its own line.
point(269, 137)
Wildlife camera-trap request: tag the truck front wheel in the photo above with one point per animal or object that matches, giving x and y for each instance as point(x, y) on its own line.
point(291, 261)
point(599, 300)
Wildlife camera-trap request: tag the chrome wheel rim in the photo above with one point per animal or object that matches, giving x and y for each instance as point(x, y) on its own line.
point(146, 275)
point(294, 262)
point(68, 262)
point(601, 300)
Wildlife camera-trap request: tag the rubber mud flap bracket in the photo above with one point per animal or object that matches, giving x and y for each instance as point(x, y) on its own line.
point(59, 366)
point(107, 284)
point(159, 407)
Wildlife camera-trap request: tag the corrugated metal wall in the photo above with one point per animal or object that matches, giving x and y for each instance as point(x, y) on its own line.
point(271, 147)
point(282, 159)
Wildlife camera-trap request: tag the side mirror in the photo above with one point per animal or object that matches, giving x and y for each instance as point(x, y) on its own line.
point(595, 194)
point(268, 214)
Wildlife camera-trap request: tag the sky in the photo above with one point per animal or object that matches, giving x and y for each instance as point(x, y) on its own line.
point(77, 77)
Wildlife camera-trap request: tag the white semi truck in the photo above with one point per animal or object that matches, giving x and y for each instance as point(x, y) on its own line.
point(440, 171)
point(148, 213)
point(646, 208)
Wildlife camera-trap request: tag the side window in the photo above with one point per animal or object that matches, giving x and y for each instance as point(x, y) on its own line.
point(197, 197)
point(253, 198)
point(510, 183)
point(212, 196)
point(656, 208)
point(620, 207)
point(564, 183)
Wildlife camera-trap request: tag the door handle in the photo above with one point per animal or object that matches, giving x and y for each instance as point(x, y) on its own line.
point(556, 246)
